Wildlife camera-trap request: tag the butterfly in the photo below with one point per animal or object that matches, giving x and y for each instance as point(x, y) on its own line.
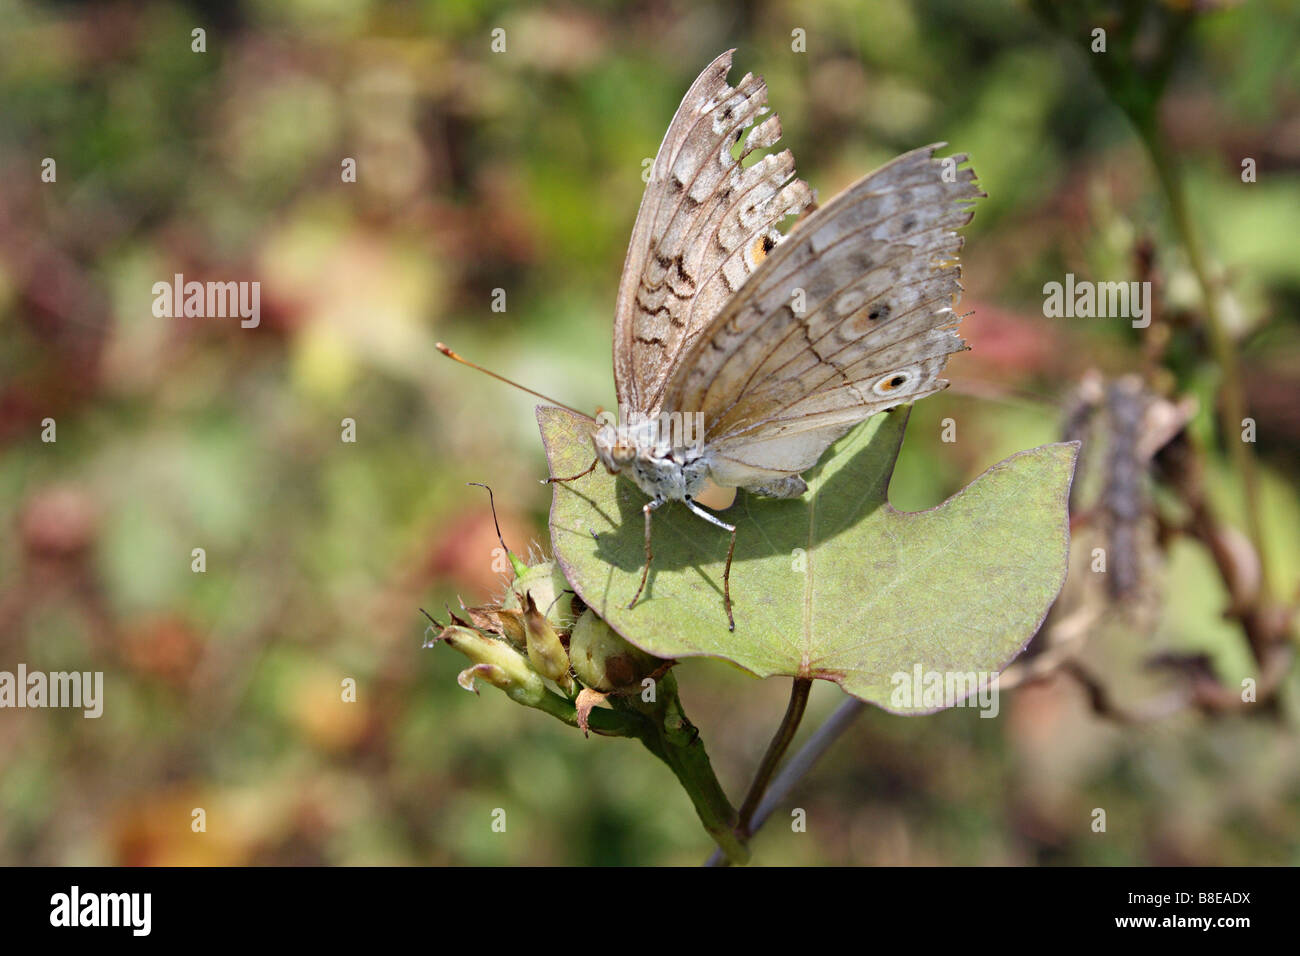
point(740, 352)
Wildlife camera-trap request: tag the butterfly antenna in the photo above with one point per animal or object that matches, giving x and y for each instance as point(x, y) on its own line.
point(501, 378)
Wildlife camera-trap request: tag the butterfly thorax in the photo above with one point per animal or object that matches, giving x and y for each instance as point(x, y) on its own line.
point(645, 452)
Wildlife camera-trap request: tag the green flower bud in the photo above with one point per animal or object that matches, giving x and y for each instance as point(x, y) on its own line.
point(496, 662)
point(545, 649)
point(491, 673)
point(545, 582)
point(605, 661)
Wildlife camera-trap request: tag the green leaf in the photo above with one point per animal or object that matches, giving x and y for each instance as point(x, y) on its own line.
point(835, 585)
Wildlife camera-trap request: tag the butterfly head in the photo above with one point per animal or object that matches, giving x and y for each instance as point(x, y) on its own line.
point(641, 448)
point(613, 447)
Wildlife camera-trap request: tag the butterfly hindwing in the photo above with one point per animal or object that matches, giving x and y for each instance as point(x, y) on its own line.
point(851, 315)
point(705, 224)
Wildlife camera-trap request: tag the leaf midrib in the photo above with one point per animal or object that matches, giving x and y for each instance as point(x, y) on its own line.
point(805, 656)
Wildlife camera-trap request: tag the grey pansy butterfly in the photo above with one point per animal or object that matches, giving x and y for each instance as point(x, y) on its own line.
point(740, 353)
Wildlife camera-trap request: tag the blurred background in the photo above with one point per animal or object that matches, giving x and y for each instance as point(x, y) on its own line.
point(521, 171)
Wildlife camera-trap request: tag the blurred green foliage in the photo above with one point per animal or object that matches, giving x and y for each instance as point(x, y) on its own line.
point(522, 171)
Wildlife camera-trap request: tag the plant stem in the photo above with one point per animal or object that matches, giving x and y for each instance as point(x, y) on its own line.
point(1138, 94)
point(799, 689)
point(800, 764)
point(668, 734)
point(803, 761)
point(775, 751)
point(1233, 405)
point(607, 723)
point(694, 772)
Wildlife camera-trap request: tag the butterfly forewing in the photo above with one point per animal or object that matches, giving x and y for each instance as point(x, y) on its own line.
point(851, 315)
point(706, 223)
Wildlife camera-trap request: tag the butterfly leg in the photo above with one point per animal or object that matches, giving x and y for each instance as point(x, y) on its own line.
point(648, 510)
point(731, 550)
point(581, 474)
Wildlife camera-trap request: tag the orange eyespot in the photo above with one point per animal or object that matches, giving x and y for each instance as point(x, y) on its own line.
point(891, 383)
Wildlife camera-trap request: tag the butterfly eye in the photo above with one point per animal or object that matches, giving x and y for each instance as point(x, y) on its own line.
point(891, 383)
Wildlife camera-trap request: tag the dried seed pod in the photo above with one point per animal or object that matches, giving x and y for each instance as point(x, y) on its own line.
point(512, 627)
point(1124, 498)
